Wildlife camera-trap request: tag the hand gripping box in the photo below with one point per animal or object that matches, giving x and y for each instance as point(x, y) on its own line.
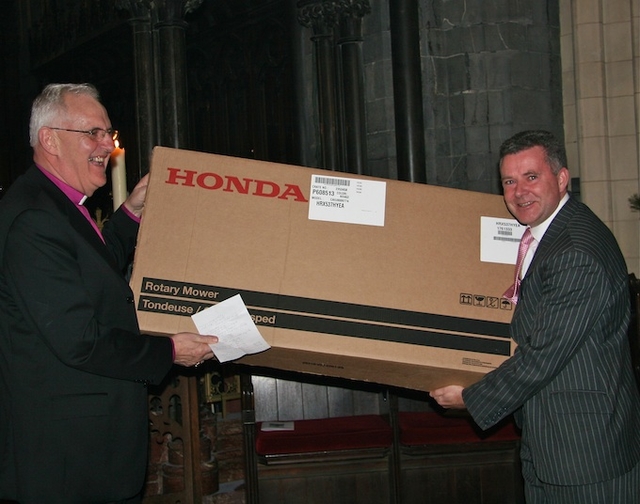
point(345, 275)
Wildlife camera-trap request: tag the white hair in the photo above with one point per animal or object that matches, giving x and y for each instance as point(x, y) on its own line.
point(50, 104)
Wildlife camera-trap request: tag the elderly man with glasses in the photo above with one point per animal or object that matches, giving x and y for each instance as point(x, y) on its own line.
point(73, 364)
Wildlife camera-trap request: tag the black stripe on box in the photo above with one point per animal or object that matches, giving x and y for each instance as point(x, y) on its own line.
point(339, 327)
point(328, 308)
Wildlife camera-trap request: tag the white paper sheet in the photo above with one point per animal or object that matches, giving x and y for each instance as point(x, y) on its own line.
point(277, 426)
point(230, 321)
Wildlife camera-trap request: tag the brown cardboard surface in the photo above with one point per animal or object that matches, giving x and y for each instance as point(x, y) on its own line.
point(408, 303)
point(412, 376)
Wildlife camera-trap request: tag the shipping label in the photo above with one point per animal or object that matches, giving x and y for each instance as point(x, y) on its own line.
point(347, 200)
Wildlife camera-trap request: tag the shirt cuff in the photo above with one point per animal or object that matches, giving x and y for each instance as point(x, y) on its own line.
point(131, 215)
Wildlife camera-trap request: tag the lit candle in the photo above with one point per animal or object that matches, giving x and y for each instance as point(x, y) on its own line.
point(118, 176)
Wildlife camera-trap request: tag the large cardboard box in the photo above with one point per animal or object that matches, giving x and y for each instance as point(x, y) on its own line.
point(345, 275)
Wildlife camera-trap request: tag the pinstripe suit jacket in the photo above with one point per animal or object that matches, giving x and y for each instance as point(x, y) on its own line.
point(570, 382)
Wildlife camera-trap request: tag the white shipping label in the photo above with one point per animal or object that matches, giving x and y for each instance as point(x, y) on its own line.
point(499, 240)
point(347, 200)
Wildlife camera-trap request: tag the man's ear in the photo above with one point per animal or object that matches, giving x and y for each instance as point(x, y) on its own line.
point(48, 140)
point(563, 179)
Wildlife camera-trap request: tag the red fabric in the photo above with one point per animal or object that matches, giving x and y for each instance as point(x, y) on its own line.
point(426, 428)
point(326, 434)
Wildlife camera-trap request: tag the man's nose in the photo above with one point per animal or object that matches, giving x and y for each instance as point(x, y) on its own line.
point(108, 143)
point(519, 189)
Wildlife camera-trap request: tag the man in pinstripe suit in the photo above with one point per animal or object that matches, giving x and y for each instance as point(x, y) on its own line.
point(570, 382)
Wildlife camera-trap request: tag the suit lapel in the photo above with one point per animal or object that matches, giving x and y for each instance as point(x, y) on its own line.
point(554, 230)
point(85, 229)
point(76, 219)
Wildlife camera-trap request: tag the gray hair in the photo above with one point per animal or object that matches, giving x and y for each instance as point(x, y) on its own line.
point(50, 104)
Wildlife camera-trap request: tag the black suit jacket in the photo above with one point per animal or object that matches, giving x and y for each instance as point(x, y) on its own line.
point(570, 381)
point(73, 365)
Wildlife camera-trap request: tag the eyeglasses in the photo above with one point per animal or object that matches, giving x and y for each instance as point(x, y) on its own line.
point(96, 134)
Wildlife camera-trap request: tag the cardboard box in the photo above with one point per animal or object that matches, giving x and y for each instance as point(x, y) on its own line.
point(345, 275)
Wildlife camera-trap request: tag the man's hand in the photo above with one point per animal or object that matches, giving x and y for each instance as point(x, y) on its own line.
point(135, 201)
point(192, 349)
point(449, 397)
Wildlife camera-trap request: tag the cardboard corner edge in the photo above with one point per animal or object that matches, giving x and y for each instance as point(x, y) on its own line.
point(385, 373)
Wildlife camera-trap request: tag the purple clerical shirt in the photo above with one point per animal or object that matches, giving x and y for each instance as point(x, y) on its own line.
point(78, 199)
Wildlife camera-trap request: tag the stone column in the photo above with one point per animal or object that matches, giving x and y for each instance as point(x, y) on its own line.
point(354, 128)
point(600, 48)
point(321, 16)
point(337, 38)
point(169, 27)
point(143, 56)
point(160, 68)
point(407, 90)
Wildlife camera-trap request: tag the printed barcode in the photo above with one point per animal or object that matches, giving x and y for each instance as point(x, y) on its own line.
point(333, 181)
point(504, 238)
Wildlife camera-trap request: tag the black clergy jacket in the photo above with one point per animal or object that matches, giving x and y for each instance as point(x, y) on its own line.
point(73, 364)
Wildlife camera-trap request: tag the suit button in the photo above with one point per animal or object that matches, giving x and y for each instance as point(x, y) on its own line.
point(130, 299)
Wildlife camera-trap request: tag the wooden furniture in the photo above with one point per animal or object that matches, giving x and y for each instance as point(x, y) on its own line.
point(446, 458)
point(346, 458)
point(409, 456)
point(181, 468)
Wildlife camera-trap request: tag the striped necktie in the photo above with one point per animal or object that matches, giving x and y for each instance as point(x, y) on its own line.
point(512, 292)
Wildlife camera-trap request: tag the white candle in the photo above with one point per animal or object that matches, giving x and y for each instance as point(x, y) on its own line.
point(118, 176)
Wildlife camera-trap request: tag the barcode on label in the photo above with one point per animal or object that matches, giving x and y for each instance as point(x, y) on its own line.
point(504, 238)
point(333, 181)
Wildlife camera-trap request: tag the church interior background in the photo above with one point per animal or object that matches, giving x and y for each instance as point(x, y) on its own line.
point(417, 90)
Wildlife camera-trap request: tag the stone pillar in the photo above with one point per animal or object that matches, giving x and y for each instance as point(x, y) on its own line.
point(354, 130)
point(600, 47)
point(169, 27)
point(407, 90)
point(322, 17)
point(143, 55)
point(160, 68)
point(340, 74)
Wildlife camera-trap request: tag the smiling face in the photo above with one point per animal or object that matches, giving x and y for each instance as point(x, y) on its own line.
point(75, 157)
point(531, 190)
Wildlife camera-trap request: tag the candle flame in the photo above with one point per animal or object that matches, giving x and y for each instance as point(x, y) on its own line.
point(117, 144)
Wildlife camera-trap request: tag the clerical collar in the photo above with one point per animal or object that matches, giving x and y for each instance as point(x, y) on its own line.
point(73, 194)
